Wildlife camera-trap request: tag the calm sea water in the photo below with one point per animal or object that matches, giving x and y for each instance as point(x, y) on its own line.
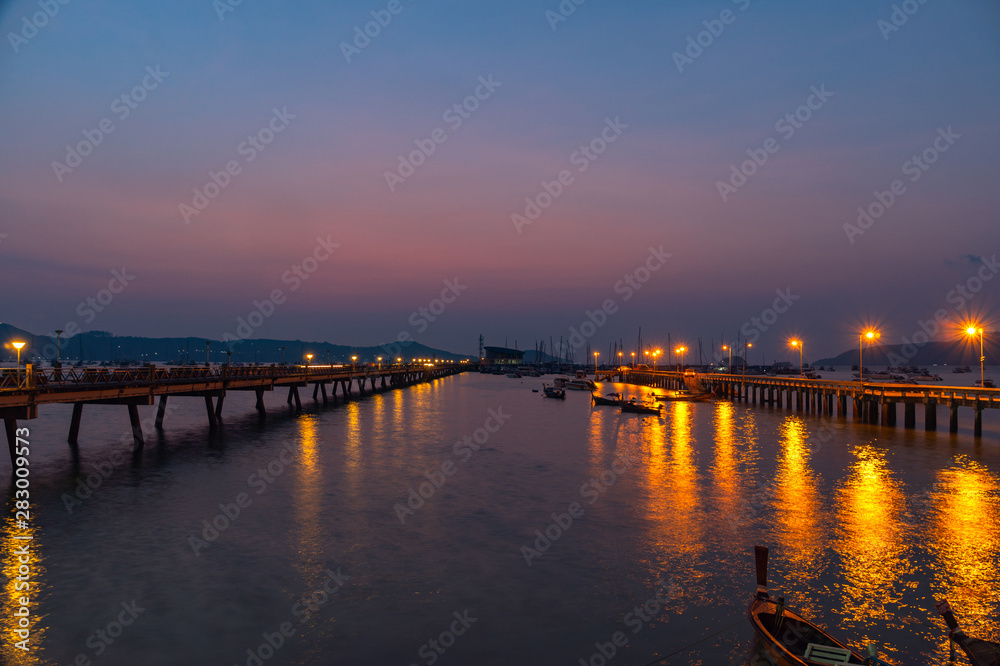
point(867, 527)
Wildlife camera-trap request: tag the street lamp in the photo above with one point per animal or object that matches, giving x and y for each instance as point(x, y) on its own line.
point(354, 361)
point(745, 348)
point(379, 362)
point(59, 333)
point(309, 358)
point(729, 367)
point(619, 359)
point(655, 354)
point(679, 351)
point(871, 335)
point(633, 359)
point(798, 343)
point(596, 354)
point(972, 330)
point(17, 345)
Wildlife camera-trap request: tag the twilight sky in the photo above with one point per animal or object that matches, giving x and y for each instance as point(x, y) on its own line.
point(647, 128)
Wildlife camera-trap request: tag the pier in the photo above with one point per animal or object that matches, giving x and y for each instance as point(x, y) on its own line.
point(875, 403)
point(133, 387)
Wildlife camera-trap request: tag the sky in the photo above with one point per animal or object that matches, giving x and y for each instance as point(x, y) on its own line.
point(365, 171)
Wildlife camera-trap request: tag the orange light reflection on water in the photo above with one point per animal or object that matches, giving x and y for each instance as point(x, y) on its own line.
point(12, 561)
point(965, 537)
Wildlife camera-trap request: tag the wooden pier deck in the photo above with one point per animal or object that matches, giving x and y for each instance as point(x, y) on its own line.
point(132, 387)
point(871, 402)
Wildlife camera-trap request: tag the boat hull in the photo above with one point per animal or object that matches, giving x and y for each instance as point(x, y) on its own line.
point(796, 633)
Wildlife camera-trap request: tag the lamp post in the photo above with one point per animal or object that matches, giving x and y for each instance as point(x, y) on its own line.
point(229, 358)
point(309, 358)
point(972, 330)
point(680, 351)
point(729, 367)
point(619, 359)
point(633, 360)
point(655, 354)
point(59, 333)
point(379, 362)
point(745, 348)
point(596, 354)
point(208, 348)
point(798, 343)
point(18, 345)
point(354, 362)
point(282, 355)
point(872, 335)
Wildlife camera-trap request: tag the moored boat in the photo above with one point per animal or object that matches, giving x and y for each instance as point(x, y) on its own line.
point(979, 652)
point(788, 638)
point(613, 399)
point(581, 385)
point(634, 407)
point(682, 394)
point(553, 392)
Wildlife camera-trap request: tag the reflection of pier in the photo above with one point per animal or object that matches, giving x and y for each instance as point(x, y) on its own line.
point(133, 387)
point(870, 404)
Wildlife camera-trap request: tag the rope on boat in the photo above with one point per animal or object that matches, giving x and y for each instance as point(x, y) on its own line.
point(660, 660)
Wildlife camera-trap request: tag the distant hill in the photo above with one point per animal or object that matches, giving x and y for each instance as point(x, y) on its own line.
point(959, 352)
point(103, 346)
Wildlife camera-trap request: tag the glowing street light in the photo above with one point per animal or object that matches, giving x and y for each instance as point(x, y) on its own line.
point(354, 361)
point(871, 335)
point(619, 359)
point(379, 362)
point(633, 359)
point(745, 348)
point(18, 345)
point(309, 358)
point(971, 331)
point(730, 366)
point(596, 354)
point(798, 343)
point(655, 354)
point(679, 351)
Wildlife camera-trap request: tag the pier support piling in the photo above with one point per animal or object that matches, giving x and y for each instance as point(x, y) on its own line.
point(260, 404)
point(213, 422)
point(133, 417)
point(74, 424)
point(930, 415)
point(953, 421)
point(218, 406)
point(10, 425)
point(977, 427)
point(161, 411)
point(909, 416)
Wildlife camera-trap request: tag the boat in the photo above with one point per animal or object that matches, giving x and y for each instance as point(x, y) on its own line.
point(986, 383)
point(788, 638)
point(979, 652)
point(925, 377)
point(553, 392)
point(962, 368)
point(634, 407)
point(581, 385)
point(613, 399)
point(515, 375)
point(682, 394)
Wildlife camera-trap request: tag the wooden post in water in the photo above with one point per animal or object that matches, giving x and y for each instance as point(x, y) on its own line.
point(161, 411)
point(930, 414)
point(260, 403)
point(953, 421)
point(133, 417)
point(977, 428)
point(909, 416)
point(74, 424)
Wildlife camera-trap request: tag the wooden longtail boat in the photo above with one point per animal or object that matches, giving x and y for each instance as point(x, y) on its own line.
point(788, 638)
point(683, 395)
point(980, 652)
point(639, 408)
point(613, 399)
point(552, 392)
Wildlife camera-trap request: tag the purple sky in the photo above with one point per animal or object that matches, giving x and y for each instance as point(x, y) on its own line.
point(886, 96)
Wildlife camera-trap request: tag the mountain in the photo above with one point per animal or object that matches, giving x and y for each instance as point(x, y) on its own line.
point(959, 352)
point(104, 346)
